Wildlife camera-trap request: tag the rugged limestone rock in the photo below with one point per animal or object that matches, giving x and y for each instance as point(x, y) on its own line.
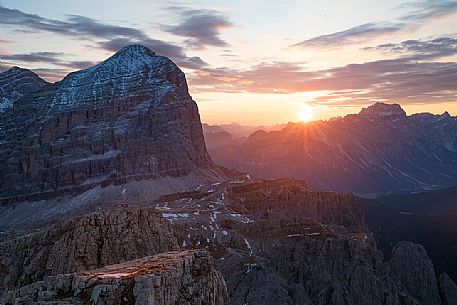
point(315, 252)
point(128, 118)
point(15, 83)
point(448, 290)
point(413, 270)
point(85, 243)
point(175, 278)
point(292, 199)
point(278, 242)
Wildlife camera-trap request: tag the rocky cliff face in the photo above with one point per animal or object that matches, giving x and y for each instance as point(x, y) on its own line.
point(128, 118)
point(413, 270)
point(85, 243)
point(273, 242)
point(448, 290)
point(377, 151)
point(172, 278)
point(279, 242)
point(290, 199)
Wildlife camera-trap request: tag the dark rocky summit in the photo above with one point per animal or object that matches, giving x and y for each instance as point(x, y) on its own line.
point(413, 270)
point(377, 151)
point(128, 118)
point(448, 290)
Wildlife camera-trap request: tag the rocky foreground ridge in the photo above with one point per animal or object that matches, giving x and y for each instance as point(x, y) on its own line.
point(244, 241)
point(128, 118)
point(186, 277)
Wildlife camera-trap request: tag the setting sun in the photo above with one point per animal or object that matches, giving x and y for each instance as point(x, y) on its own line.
point(305, 113)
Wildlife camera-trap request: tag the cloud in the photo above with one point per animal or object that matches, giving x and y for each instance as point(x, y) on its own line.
point(111, 37)
point(361, 33)
point(45, 57)
point(4, 67)
point(75, 25)
point(160, 47)
point(397, 80)
point(423, 11)
point(51, 75)
point(201, 27)
point(430, 10)
point(33, 57)
point(420, 49)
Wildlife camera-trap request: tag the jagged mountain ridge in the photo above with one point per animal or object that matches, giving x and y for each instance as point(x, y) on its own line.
point(378, 151)
point(259, 254)
point(128, 118)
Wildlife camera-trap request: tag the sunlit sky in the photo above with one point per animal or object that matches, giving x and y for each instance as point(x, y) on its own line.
point(256, 62)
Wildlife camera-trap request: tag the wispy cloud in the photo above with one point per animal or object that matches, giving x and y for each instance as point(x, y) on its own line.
point(423, 11)
point(110, 37)
point(202, 27)
point(53, 58)
point(74, 25)
point(358, 34)
point(398, 80)
point(430, 10)
point(421, 49)
point(49, 57)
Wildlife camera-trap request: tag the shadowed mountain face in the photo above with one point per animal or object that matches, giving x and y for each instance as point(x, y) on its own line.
point(380, 150)
point(128, 118)
point(427, 218)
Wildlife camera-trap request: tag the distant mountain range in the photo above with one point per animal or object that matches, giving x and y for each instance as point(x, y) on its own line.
point(380, 150)
point(238, 130)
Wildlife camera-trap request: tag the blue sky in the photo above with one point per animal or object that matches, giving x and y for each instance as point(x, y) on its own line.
point(256, 62)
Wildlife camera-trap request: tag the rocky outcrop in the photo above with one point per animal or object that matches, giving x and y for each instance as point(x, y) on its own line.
point(279, 242)
point(15, 83)
point(380, 150)
point(128, 118)
point(310, 264)
point(413, 270)
point(448, 290)
point(85, 243)
point(173, 278)
point(292, 199)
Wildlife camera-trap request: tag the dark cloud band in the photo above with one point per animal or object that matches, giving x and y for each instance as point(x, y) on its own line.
point(201, 27)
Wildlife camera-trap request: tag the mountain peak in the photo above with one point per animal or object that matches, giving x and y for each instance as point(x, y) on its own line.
point(446, 114)
point(135, 49)
point(15, 70)
point(383, 110)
